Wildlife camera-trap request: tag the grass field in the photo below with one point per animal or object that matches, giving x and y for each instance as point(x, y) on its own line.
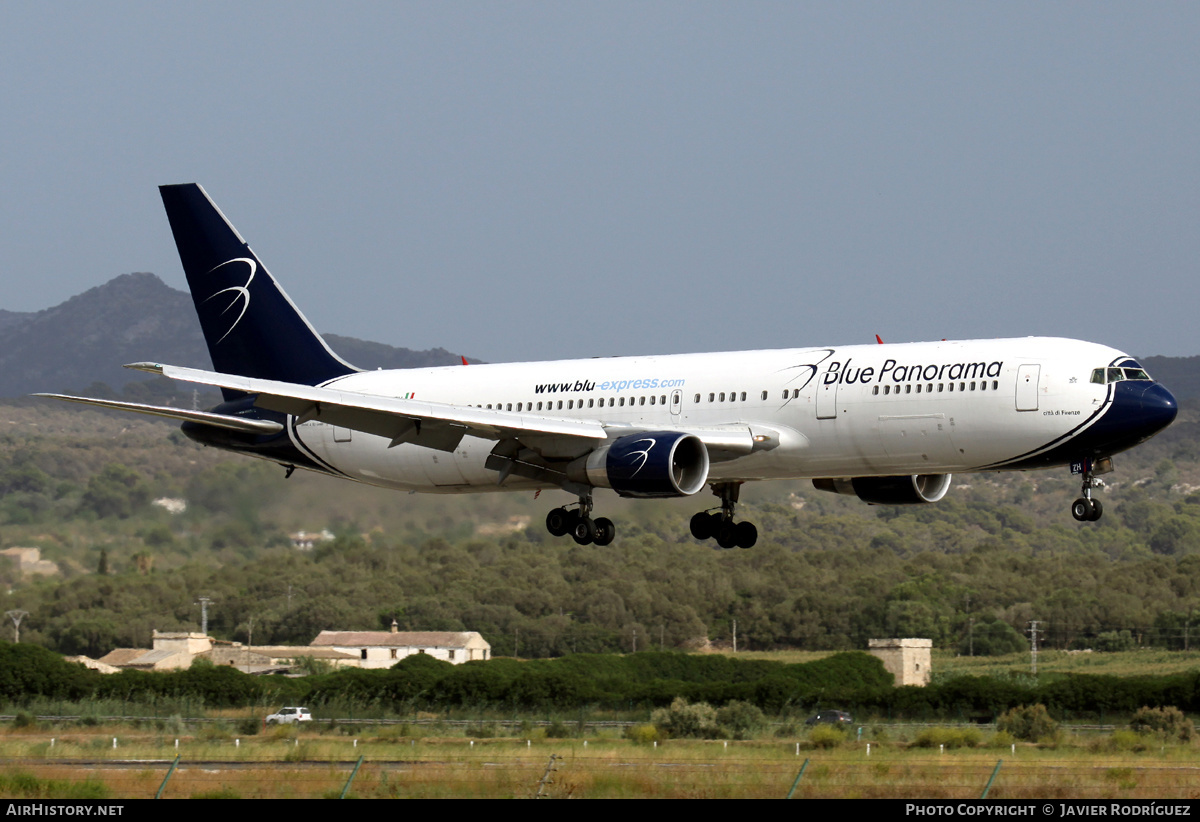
point(284, 764)
point(1149, 662)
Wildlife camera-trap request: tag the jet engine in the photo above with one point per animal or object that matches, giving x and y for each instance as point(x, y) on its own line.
point(907, 490)
point(649, 464)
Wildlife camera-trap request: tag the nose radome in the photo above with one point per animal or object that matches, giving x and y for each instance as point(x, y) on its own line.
point(1145, 408)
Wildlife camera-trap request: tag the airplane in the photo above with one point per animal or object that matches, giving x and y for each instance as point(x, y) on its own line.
point(888, 423)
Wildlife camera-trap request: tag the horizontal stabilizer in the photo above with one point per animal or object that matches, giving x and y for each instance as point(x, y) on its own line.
point(248, 426)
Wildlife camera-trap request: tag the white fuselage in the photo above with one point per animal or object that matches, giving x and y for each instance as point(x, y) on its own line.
point(845, 411)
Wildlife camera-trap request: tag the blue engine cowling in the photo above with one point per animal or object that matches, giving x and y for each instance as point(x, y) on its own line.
point(649, 464)
point(906, 490)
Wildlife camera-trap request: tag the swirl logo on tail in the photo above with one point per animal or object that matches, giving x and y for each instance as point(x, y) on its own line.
point(241, 293)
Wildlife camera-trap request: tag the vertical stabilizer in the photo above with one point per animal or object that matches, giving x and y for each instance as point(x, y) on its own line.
point(251, 326)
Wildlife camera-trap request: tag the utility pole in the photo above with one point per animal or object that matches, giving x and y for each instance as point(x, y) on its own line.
point(735, 636)
point(16, 616)
point(1033, 629)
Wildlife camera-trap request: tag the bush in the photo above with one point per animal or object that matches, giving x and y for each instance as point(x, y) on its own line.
point(741, 720)
point(684, 719)
point(644, 734)
point(949, 737)
point(557, 730)
point(1167, 723)
point(1031, 723)
point(827, 736)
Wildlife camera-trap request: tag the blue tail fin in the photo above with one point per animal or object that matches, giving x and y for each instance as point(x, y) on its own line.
point(251, 327)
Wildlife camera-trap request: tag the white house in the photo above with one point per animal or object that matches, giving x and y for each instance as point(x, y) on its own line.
point(383, 649)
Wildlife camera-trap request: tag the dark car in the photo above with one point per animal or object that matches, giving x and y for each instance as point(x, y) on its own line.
point(829, 718)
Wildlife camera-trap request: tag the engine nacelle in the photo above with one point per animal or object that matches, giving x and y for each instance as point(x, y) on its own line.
point(649, 464)
point(907, 490)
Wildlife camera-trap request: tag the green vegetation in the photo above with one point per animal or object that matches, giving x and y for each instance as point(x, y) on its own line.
point(1031, 723)
point(829, 572)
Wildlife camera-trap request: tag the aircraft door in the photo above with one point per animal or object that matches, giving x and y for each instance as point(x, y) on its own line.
point(1027, 387)
point(676, 404)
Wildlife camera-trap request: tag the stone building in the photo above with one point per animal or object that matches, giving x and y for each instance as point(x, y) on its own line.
point(909, 660)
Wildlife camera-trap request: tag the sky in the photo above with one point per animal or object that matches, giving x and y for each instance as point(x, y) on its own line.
point(519, 181)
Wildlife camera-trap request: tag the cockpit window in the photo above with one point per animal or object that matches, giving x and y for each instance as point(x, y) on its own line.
point(1103, 376)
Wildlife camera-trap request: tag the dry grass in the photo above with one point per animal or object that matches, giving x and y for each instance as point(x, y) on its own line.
point(312, 766)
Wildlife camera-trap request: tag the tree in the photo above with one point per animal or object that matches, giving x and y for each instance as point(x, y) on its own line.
point(117, 491)
point(992, 637)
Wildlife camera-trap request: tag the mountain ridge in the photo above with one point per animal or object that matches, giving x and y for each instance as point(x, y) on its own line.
point(134, 317)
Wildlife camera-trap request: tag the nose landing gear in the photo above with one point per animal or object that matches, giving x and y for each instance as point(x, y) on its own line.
point(729, 534)
point(1086, 509)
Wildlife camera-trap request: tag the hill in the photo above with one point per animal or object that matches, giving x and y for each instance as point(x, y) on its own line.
point(131, 318)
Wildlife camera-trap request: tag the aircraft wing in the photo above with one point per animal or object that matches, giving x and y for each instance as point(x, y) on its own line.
point(430, 424)
point(440, 425)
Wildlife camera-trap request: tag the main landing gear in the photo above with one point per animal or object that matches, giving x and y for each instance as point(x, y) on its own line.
point(729, 534)
point(1086, 509)
point(580, 525)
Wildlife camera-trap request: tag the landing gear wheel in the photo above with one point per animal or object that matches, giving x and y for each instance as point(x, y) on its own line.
point(1097, 510)
point(1081, 509)
point(558, 522)
point(704, 525)
point(747, 534)
point(583, 531)
point(606, 532)
point(727, 534)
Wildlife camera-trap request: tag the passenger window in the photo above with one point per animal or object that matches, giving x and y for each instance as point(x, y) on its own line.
point(795, 393)
point(652, 399)
point(698, 398)
point(764, 395)
point(711, 396)
point(875, 390)
point(722, 396)
point(743, 396)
